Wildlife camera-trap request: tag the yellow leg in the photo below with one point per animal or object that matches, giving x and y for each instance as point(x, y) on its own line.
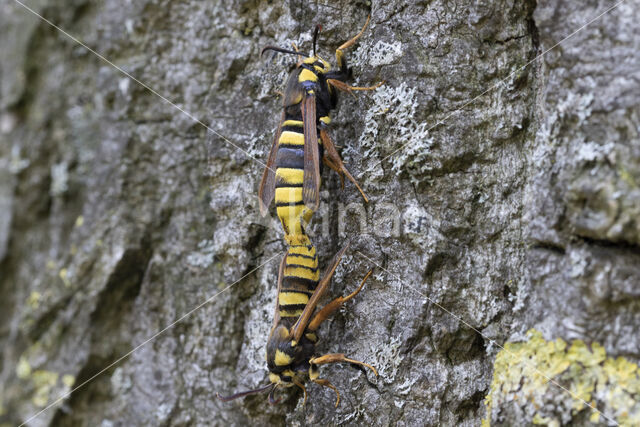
point(327, 161)
point(304, 390)
point(328, 309)
point(296, 49)
point(326, 383)
point(340, 85)
point(349, 43)
point(337, 358)
point(337, 161)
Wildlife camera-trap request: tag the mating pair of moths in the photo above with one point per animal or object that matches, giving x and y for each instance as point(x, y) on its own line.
point(292, 177)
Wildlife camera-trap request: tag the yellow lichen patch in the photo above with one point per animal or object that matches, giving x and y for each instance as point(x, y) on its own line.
point(43, 384)
point(79, 221)
point(23, 370)
point(63, 274)
point(530, 374)
point(538, 420)
point(34, 299)
point(43, 381)
point(627, 177)
point(68, 380)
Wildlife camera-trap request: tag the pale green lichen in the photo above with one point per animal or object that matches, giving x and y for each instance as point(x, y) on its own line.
point(16, 162)
point(375, 53)
point(59, 179)
point(204, 256)
point(529, 375)
point(394, 110)
point(387, 359)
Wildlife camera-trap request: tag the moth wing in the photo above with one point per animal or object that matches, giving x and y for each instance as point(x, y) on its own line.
point(267, 189)
point(293, 92)
point(299, 327)
point(311, 181)
point(276, 314)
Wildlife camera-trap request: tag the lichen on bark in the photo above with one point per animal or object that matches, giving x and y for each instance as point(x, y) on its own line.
point(503, 197)
point(538, 374)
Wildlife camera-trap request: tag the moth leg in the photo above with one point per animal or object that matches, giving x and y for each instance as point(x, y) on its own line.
point(340, 55)
point(340, 85)
point(299, 328)
point(338, 358)
point(335, 157)
point(326, 383)
point(296, 49)
point(328, 309)
point(304, 390)
point(327, 161)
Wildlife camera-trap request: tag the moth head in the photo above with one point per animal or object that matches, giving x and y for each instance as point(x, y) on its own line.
point(287, 360)
point(315, 61)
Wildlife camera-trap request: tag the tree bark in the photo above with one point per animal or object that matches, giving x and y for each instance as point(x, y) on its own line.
point(503, 221)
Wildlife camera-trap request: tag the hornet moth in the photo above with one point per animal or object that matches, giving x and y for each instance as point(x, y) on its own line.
point(292, 178)
point(291, 345)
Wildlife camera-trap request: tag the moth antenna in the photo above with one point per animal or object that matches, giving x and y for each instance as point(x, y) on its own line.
point(273, 401)
point(278, 49)
point(315, 37)
point(244, 393)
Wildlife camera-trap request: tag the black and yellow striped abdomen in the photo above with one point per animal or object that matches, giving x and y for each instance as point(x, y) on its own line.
point(300, 278)
point(291, 210)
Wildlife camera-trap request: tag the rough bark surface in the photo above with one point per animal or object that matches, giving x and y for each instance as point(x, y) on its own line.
point(513, 204)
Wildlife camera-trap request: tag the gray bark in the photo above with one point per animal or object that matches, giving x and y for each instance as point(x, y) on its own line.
point(513, 204)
